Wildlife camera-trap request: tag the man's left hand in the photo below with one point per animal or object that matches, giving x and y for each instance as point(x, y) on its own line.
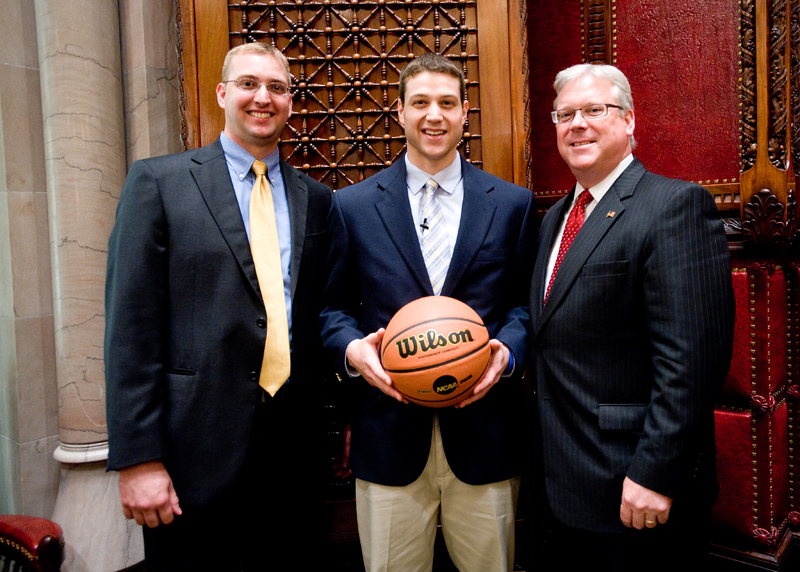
point(642, 507)
point(498, 362)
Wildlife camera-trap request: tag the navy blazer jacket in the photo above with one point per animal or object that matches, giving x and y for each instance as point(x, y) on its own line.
point(185, 322)
point(631, 348)
point(376, 266)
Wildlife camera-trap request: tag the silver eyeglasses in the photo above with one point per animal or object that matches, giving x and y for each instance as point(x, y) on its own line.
point(252, 84)
point(591, 111)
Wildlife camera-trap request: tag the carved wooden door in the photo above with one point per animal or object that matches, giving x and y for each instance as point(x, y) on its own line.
point(345, 58)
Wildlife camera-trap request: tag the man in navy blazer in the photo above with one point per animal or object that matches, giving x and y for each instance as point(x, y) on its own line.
point(215, 467)
point(414, 464)
point(630, 345)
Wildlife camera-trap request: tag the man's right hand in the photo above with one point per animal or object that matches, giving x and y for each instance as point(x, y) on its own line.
point(362, 355)
point(147, 494)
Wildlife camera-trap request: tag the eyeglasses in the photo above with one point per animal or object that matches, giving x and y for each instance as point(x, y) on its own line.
point(251, 84)
point(591, 111)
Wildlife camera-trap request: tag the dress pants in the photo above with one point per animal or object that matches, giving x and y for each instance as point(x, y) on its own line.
point(397, 525)
point(271, 519)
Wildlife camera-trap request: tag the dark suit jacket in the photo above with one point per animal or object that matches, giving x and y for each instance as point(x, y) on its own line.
point(631, 347)
point(185, 323)
point(376, 267)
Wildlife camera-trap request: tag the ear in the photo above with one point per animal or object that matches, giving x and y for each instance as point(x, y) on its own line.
point(464, 111)
point(221, 95)
point(630, 122)
point(400, 119)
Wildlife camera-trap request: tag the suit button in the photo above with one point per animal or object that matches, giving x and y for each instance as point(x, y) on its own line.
point(253, 376)
point(261, 323)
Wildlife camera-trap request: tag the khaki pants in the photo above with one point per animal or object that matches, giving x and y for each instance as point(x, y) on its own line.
point(397, 525)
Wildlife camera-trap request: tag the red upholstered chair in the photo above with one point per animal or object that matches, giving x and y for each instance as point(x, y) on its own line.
point(30, 544)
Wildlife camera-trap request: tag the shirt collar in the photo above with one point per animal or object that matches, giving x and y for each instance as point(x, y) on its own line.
point(602, 187)
point(447, 178)
point(241, 161)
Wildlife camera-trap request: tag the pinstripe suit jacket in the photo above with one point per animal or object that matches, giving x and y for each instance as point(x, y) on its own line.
point(631, 347)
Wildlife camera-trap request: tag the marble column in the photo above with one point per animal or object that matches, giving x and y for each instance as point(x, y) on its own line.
point(85, 163)
point(28, 398)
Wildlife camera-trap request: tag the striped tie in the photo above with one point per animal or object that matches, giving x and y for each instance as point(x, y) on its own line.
point(435, 246)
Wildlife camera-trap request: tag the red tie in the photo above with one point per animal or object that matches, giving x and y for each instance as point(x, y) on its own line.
point(574, 223)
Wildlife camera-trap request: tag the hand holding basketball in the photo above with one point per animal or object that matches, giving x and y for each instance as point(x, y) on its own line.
point(498, 363)
point(362, 355)
point(435, 350)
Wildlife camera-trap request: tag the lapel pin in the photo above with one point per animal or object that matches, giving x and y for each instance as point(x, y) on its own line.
point(611, 214)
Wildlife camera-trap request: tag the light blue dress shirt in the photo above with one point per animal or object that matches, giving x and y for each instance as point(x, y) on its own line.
point(240, 164)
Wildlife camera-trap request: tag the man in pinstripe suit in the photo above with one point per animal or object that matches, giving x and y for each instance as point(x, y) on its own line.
point(632, 332)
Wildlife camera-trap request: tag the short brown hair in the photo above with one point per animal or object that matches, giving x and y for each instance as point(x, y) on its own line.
point(255, 48)
point(434, 63)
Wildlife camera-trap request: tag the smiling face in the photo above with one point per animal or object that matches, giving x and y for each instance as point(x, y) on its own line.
point(433, 117)
point(592, 147)
point(255, 120)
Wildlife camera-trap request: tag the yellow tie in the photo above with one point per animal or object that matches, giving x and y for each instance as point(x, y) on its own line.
point(266, 251)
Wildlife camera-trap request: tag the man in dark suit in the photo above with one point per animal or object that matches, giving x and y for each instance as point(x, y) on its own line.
point(186, 322)
point(412, 464)
point(632, 334)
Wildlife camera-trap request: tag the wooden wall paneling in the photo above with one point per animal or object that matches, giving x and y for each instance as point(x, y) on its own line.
point(767, 169)
point(599, 29)
point(520, 92)
point(495, 97)
point(212, 39)
point(346, 59)
point(187, 57)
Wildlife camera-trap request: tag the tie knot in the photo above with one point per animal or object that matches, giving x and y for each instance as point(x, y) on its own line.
point(259, 168)
point(431, 186)
point(584, 199)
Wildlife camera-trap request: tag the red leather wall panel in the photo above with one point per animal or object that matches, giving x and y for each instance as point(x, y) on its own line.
point(682, 59)
point(739, 375)
point(760, 334)
point(733, 510)
point(752, 468)
point(779, 464)
point(554, 43)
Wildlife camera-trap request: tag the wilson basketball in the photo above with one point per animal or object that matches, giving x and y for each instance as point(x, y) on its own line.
point(435, 350)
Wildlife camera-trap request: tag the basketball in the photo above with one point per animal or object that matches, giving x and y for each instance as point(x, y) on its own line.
point(435, 350)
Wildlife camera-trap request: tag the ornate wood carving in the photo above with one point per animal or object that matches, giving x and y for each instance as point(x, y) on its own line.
point(778, 81)
point(794, 51)
point(762, 226)
point(748, 85)
point(187, 72)
point(598, 29)
point(521, 84)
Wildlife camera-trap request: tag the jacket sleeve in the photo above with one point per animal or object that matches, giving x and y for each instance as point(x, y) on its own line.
point(689, 304)
point(136, 313)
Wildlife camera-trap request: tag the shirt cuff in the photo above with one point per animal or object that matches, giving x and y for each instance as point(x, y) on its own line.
point(351, 371)
point(510, 369)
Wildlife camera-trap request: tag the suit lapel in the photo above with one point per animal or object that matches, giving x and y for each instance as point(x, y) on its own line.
point(214, 182)
point(477, 212)
point(547, 235)
point(395, 212)
point(297, 197)
point(608, 211)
